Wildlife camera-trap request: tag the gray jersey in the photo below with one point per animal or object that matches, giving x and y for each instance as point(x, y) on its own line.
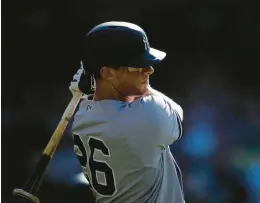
point(123, 149)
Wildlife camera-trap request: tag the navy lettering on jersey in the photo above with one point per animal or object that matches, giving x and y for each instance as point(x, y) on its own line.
point(95, 166)
point(109, 189)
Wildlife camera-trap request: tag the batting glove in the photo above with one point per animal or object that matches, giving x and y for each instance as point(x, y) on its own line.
point(80, 81)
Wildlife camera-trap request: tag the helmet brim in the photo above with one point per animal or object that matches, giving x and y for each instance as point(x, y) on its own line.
point(150, 57)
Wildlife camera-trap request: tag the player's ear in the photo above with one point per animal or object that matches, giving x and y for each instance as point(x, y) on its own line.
point(107, 73)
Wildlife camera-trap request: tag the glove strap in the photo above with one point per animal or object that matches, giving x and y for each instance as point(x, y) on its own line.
point(93, 83)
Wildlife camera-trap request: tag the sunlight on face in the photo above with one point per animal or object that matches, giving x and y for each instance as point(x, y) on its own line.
point(133, 81)
point(131, 69)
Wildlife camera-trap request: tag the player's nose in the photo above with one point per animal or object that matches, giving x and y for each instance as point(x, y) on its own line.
point(148, 70)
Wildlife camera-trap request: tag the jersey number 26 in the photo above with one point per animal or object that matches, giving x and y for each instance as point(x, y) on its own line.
point(95, 166)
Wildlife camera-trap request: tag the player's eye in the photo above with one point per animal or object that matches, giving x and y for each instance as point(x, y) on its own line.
point(131, 69)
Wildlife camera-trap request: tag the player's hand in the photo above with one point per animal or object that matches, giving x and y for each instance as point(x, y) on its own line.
point(79, 81)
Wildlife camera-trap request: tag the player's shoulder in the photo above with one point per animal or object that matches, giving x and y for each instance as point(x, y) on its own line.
point(159, 101)
point(164, 103)
point(85, 104)
point(152, 100)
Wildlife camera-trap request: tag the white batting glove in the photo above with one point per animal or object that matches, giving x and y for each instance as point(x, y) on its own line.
point(81, 84)
point(74, 84)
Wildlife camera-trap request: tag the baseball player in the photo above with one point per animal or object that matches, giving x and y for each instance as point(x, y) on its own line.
point(122, 135)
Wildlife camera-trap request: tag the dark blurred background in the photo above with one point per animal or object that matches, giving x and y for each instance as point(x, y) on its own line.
point(212, 70)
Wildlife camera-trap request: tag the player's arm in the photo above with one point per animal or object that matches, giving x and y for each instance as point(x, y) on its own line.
point(174, 106)
point(169, 112)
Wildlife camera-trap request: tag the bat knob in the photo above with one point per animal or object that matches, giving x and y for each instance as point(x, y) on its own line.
point(25, 195)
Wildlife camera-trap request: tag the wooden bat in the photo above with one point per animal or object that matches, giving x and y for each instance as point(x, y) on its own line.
point(29, 191)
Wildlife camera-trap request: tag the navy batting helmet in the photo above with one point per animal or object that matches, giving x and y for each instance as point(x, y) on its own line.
point(117, 44)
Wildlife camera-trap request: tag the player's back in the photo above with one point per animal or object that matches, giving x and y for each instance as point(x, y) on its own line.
point(122, 146)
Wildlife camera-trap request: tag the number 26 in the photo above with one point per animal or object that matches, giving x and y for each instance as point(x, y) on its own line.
point(94, 165)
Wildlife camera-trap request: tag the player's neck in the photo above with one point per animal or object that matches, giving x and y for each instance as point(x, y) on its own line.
point(105, 90)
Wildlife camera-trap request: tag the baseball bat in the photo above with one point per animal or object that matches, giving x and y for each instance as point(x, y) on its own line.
point(29, 191)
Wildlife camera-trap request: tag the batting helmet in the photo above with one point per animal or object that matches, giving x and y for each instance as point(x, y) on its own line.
point(117, 44)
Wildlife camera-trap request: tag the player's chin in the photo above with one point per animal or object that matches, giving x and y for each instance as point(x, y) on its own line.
point(143, 90)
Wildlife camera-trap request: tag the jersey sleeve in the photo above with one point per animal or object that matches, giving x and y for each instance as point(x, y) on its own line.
point(169, 115)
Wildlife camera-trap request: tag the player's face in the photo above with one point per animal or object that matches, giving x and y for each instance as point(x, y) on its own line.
point(132, 81)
